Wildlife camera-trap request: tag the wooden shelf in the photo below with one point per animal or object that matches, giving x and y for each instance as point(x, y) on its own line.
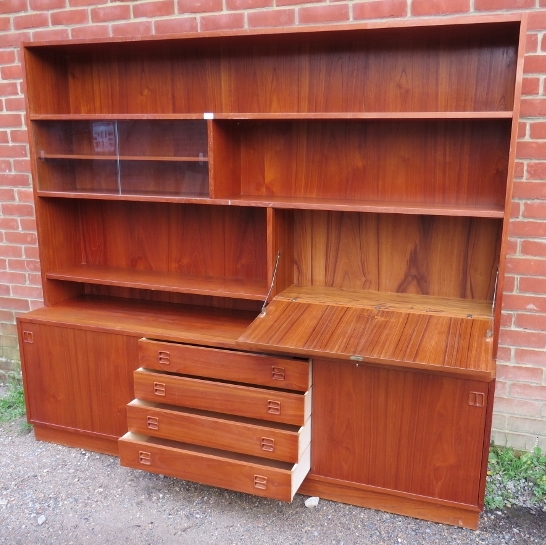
point(76, 157)
point(410, 331)
point(187, 198)
point(153, 280)
point(114, 117)
point(166, 321)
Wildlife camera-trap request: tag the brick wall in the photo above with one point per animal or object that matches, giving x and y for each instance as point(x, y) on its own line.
point(520, 410)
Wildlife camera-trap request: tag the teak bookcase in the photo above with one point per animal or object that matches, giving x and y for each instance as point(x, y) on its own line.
point(357, 177)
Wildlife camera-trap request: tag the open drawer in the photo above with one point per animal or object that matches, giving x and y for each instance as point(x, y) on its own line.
point(261, 477)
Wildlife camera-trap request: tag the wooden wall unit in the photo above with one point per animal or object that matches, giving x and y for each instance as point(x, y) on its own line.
point(355, 176)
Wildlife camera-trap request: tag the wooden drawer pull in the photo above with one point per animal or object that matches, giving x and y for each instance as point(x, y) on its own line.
point(28, 337)
point(476, 399)
point(164, 357)
point(268, 444)
point(153, 422)
point(274, 407)
point(159, 388)
point(144, 458)
point(260, 482)
point(277, 373)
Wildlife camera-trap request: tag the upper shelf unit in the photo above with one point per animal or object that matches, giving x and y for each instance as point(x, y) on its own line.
point(448, 68)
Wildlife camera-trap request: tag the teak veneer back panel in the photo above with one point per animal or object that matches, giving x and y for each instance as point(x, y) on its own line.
point(407, 69)
point(428, 255)
point(435, 162)
point(219, 241)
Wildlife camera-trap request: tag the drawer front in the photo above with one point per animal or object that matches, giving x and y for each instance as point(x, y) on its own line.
point(275, 480)
point(225, 365)
point(221, 432)
point(218, 397)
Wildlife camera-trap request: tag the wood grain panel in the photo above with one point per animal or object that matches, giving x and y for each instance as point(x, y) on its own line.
point(399, 430)
point(434, 162)
point(220, 431)
point(259, 369)
point(260, 403)
point(428, 255)
point(79, 380)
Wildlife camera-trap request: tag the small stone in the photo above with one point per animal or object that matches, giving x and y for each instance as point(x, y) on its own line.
point(312, 501)
point(41, 519)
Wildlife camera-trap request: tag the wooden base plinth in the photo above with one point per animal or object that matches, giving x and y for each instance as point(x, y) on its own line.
point(411, 505)
point(75, 439)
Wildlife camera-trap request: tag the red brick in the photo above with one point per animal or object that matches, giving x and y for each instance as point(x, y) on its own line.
point(504, 354)
point(13, 39)
point(7, 57)
point(501, 388)
point(5, 23)
point(13, 6)
point(15, 180)
point(536, 170)
point(9, 224)
point(10, 120)
point(534, 210)
point(271, 18)
point(18, 237)
point(509, 283)
point(535, 322)
point(17, 209)
point(531, 150)
point(515, 210)
point(31, 252)
point(13, 304)
point(31, 20)
point(32, 265)
point(19, 136)
point(522, 129)
point(526, 266)
point(51, 34)
point(110, 13)
point(24, 195)
point(532, 357)
point(12, 277)
point(28, 292)
point(175, 26)
point(5, 290)
point(529, 85)
point(512, 246)
point(525, 339)
point(533, 248)
point(533, 107)
point(531, 43)
point(439, 7)
point(517, 406)
point(14, 104)
point(7, 89)
point(248, 4)
point(529, 284)
point(85, 32)
point(507, 319)
point(199, 6)
point(46, 5)
point(161, 8)
point(538, 130)
point(527, 229)
point(6, 195)
point(497, 5)
point(70, 17)
point(380, 9)
point(519, 169)
point(7, 250)
point(21, 165)
point(137, 28)
point(34, 304)
point(528, 391)
point(534, 64)
point(34, 279)
point(28, 224)
point(519, 373)
point(527, 303)
point(537, 21)
point(5, 165)
point(323, 14)
point(80, 3)
point(533, 426)
point(293, 2)
point(222, 22)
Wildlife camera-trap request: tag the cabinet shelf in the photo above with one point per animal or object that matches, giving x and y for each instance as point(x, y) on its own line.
point(152, 280)
point(413, 331)
point(76, 157)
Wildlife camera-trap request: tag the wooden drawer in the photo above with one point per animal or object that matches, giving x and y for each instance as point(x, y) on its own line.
point(289, 374)
point(235, 434)
point(268, 478)
point(220, 397)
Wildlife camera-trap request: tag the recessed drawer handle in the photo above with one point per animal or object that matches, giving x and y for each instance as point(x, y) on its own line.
point(476, 399)
point(274, 407)
point(28, 337)
point(277, 373)
point(260, 482)
point(144, 458)
point(268, 444)
point(153, 422)
point(164, 357)
point(159, 388)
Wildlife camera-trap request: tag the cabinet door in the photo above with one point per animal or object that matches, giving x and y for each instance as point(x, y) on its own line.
point(401, 430)
point(77, 379)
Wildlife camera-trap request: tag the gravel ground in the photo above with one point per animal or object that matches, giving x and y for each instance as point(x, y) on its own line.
point(52, 494)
